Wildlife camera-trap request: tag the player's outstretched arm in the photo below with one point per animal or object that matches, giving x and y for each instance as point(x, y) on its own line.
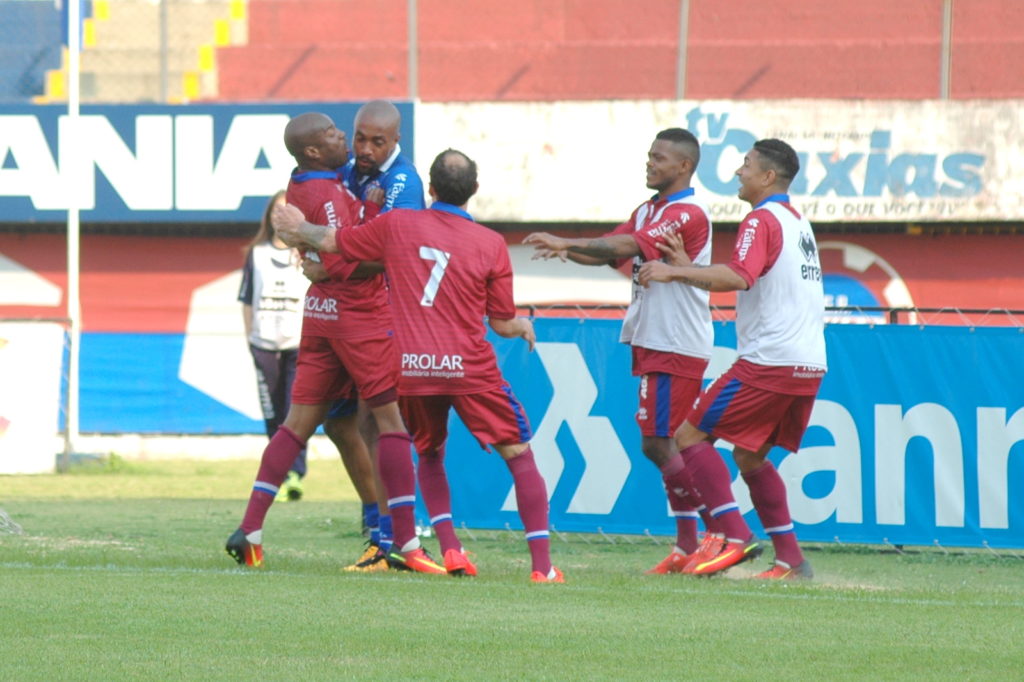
point(599, 251)
point(292, 227)
point(516, 327)
point(710, 278)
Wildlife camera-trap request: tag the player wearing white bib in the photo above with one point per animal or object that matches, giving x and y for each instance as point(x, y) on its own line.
point(765, 398)
point(668, 325)
point(272, 291)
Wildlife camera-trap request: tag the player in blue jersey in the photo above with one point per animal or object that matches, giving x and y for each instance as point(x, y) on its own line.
point(377, 159)
point(377, 165)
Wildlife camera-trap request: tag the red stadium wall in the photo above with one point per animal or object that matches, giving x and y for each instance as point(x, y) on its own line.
point(490, 50)
point(144, 284)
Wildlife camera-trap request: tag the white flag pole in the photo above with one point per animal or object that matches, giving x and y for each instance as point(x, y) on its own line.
point(71, 172)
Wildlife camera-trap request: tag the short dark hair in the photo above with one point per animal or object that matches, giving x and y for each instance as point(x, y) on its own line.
point(780, 157)
point(683, 138)
point(453, 177)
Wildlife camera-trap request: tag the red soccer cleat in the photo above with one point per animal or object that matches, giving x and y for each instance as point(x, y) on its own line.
point(783, 571)
point(710, 547)
point(553, 576)
point(457, 563)
point(418, 560)
point(733, 553)
point(673, 563)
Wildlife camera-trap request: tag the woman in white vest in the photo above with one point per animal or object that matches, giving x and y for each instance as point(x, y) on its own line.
point(272, 293)
point(765, 398)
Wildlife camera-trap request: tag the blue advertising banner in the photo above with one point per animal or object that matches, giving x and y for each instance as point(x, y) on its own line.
point(917, 435)
point(214, 163)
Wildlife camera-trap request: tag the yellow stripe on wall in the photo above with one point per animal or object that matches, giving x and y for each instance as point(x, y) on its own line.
point(190, 85)
point(206, 61)
point(88, 33)
point(221, 32)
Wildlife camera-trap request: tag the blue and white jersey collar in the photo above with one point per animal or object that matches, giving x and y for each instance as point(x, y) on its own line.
point(303, 176)
point(390, 161)
point(675, 196)
point(449, 208)
point(781, 198)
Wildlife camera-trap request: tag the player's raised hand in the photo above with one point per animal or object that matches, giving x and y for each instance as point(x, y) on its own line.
point(547, 254)
point(547, 246)
point(375, 195)
point(675, 252)
point(314, 270)
point(529, 334)
point(286, 220)
point(655, 271)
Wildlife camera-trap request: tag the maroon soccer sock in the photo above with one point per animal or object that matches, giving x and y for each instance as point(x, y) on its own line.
point(768, 493)
point(710, 524)
point(532, 500)
point(437, 496)
point(277, 458)
point(679, 487)
point(396, 472)
point(686, 527)
point(712, 483)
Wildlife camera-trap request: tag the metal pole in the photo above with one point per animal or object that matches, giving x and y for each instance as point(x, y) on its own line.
point(70, 173)
point(164, 88)
point(684, 30)
point(947, 49)
point(412, 21)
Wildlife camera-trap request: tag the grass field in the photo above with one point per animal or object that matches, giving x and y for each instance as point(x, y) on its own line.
point(120, 573)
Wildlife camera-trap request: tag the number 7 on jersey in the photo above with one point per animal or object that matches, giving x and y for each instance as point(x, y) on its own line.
point(440, 259)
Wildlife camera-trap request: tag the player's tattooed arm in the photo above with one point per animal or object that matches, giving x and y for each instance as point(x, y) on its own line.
point(292, 227)
point(698, 282)
point(587, 251)
point(707, 277)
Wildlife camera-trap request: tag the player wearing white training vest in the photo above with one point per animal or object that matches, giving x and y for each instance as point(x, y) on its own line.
point(765, 398)
point(779, 322)
point(667, 317)
point(272, 293)
point(668, 325)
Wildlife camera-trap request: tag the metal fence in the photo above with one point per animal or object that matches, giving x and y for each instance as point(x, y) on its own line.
point(949, 316)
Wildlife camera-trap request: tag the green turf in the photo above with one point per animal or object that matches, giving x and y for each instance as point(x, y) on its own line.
point(120, 574)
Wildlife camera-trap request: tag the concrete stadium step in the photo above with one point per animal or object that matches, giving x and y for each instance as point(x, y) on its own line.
point(102, 87)
point(125, 60)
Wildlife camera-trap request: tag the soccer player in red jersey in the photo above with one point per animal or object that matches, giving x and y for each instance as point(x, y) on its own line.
point(668, 325)
point(446, 273)
point(346, 339)
point(766, 397)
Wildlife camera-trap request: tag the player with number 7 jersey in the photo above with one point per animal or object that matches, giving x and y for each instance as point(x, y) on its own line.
point(446, 274)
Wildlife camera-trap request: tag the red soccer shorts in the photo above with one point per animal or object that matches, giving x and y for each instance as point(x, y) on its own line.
point(748, 417)
point(664, 401)
point(328, 369)
point(494, 417)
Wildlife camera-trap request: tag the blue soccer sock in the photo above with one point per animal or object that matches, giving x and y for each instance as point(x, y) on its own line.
point(371, 520)
point(387, 536)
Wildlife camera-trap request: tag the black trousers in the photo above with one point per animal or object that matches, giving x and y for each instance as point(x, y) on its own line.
point(275, 372)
